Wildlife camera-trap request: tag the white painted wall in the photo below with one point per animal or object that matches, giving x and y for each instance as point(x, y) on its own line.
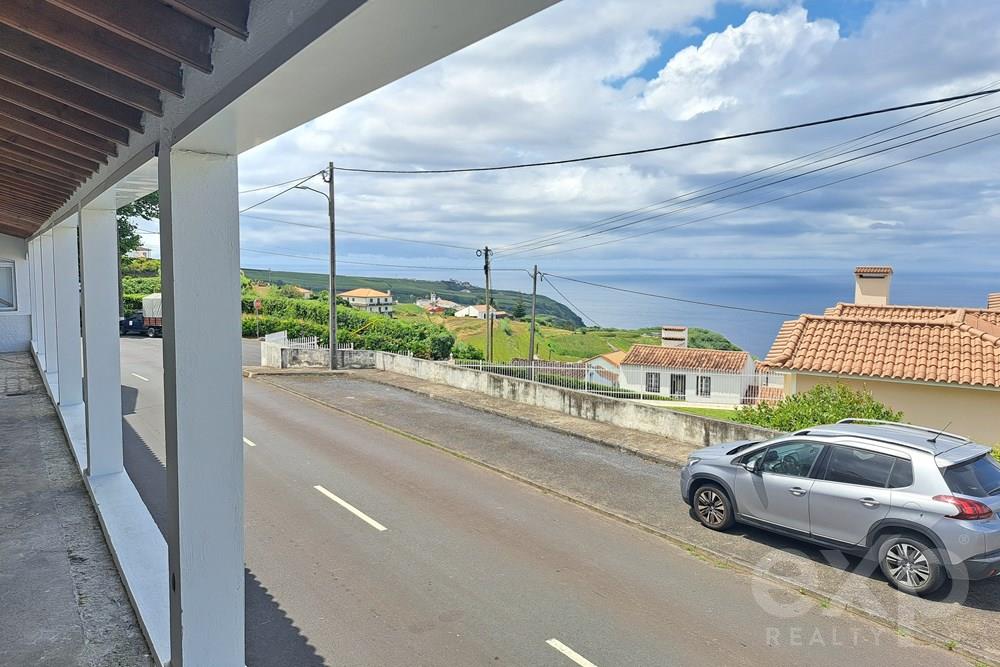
point(15, 325)
point(726, 388)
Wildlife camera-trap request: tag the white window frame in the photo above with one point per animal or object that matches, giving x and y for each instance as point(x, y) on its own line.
point(703, 386)
point(5, 264)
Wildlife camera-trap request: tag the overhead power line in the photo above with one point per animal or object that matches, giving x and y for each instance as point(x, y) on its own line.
point(778, 198)
point(669, 298)
point(572, 305)
point(687, 196)
point(685, 144)
point(288, 189)
point(276, 185)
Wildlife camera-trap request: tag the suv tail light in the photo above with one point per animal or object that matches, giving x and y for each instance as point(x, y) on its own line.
point(967, 509)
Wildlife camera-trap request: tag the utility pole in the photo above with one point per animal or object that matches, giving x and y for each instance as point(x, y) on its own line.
point(531, 336)
point(333, 273)
point(485, 253)
point(332, 284)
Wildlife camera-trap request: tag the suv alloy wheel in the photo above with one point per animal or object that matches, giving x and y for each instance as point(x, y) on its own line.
point(911, 564)
point(713, 508)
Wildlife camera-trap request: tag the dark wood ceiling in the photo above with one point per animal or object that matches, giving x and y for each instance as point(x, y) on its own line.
point(76, 80)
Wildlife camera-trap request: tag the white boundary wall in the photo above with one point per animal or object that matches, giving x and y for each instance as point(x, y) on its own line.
point(683, 427)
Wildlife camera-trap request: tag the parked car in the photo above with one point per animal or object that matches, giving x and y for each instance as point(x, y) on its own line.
point(919, 501)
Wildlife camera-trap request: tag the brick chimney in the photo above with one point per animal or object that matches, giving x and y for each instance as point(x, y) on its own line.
point(673, 336)
point(993, 301)
point(871, 285)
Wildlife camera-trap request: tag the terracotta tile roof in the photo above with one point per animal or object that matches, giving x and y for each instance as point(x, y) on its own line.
point(614, 358)
point(872, 270)
point(952, 345)
point(686, 357)
point(364, 292)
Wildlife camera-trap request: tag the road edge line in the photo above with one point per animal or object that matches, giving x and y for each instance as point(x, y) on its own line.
point(978, 654)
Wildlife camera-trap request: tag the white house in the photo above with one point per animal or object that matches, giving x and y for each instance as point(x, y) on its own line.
point(142, 252)
point(369, 299)
point(479, 312)
point(687, 374)
point(436, 302)
point(15, 295)
point(605, 368)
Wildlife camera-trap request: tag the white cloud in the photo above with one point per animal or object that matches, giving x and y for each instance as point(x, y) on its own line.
point(569, 82)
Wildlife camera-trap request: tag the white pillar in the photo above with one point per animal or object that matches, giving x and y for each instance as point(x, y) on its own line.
point(49, 305)
point(101, 353)
point(67, 291)
point(199, 224)
point(36, 315)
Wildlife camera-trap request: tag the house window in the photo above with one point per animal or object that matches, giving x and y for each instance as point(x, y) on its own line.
point(704, 385)
point(678, 385)
point(8, 292)
point(653, 383)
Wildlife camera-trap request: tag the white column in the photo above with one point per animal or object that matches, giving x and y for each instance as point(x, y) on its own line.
point(48, 272)
point(101, 353)
point(199, 223)
point(36, 316)
point(67, 291)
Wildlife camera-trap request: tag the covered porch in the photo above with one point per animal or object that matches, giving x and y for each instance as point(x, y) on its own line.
point(101, 104)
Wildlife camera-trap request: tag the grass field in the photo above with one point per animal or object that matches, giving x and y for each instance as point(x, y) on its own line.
point(510, 339)
point(715, 413)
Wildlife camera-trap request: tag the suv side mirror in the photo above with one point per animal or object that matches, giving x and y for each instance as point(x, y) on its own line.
point(750, 466)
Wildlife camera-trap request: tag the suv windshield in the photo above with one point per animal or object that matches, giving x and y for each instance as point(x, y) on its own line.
point(979, 477)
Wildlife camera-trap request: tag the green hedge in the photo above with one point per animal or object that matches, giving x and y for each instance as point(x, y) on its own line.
point(132, 302)
point(823, 404)
point(364, 330)
point(133, 285)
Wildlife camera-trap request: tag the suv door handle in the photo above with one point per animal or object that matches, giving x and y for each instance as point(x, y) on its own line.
point(869, 502)
point(797, 491)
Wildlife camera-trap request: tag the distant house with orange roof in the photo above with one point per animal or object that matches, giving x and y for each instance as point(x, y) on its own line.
point(935, 364)
point(371, 300)
point(605, 368)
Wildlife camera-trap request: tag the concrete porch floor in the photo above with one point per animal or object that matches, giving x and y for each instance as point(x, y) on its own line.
point(61, 597)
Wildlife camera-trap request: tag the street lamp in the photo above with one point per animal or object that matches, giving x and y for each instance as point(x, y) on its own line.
point(328, 177)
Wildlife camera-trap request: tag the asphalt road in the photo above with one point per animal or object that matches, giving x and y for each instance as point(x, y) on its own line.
point(410, 556)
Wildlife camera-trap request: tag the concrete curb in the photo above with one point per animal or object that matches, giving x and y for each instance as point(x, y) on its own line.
point(258, 371)
point(977, 654)
point(647, 456)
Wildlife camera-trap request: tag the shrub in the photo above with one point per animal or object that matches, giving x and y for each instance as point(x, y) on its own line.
point(465, 351)
point(132, 302)
point(134, 266)
point(135, 285)
point(823, 404)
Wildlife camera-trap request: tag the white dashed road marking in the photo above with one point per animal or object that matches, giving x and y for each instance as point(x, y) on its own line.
point(249, 443)
point(136, 375)
point(570, 653)
point(350, 508)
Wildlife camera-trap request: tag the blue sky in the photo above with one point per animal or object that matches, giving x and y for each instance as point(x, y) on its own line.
point(592, 76)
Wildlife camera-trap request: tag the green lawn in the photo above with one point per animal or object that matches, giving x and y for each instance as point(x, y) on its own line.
point(715, 413)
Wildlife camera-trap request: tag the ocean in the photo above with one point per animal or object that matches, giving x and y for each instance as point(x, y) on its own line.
point(800, 292)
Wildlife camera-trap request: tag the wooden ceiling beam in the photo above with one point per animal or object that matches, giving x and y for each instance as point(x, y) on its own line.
point(11, 206)
point(39, 164)
point(151, 24)
point(34, 185)
point(228, 15)
point(20, 229)
point(70, 93)
point(62, 63)
point(50, 182)
point(89, 40)
point(57, 127)
point(62, 112)
point(42, 202)
point(9, 138)
point(51, 139)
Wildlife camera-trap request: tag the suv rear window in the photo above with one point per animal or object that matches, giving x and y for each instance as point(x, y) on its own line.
point(979, 477)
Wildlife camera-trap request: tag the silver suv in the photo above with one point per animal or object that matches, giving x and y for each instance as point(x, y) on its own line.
point(921, 502)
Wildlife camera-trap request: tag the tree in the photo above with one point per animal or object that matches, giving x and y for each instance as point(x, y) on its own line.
point(519, 310)
point(147, 208)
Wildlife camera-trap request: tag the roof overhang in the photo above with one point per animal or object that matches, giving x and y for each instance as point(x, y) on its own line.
point(293, 61)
